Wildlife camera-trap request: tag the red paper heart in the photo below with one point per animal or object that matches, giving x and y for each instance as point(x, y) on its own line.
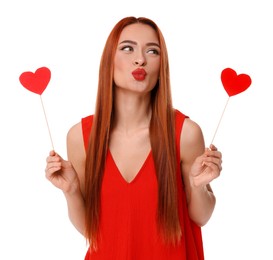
point(36, 82)
point(233, 83)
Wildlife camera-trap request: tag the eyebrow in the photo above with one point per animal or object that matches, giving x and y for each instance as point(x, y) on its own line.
point(135, 43)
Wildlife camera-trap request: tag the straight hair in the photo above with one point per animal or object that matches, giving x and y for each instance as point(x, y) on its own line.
point(162, 138)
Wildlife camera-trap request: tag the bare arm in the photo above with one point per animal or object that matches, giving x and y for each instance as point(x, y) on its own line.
point(199, 167)
point(75, 199)
point(69, 176)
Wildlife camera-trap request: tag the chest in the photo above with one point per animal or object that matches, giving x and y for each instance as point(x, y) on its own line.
point(130, 153)
point(124, 198)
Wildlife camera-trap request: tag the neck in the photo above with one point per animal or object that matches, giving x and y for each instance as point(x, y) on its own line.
point(132, 111)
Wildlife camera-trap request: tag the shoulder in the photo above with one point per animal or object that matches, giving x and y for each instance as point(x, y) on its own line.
point(75, 143)
point(191, 140)
point(74, 135)
point(191, 131)
point(189, 134)
point(78, 134)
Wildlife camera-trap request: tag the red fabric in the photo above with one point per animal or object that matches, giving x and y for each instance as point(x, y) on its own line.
point(128, 220)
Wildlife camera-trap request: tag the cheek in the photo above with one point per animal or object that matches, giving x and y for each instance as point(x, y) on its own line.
point(122, 66)
point(155, 74)
point(119, 64)
point(119, 71)
point(155, 71)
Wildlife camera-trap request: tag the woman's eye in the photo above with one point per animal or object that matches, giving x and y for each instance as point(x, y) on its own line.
point(153, 51)
point(127, 48)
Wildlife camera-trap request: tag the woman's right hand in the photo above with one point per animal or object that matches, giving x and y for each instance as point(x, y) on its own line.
point(61, 173)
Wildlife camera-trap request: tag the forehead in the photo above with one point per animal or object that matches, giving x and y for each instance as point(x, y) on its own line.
point(139, 32)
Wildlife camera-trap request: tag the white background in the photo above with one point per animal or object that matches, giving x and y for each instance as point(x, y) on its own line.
point(203, 38)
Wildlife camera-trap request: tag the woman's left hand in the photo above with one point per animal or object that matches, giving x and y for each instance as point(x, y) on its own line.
point(206, 167)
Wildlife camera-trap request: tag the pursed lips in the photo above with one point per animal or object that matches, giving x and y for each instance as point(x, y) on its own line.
point(139, 74)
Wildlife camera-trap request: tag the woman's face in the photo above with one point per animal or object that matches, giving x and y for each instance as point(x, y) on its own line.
point(137, 59)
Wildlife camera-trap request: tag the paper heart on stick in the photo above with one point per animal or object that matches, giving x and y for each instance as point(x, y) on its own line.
point(233, 83)
point(36, 82)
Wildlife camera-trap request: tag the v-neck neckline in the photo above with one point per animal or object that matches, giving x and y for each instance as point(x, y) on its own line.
point(137, 174)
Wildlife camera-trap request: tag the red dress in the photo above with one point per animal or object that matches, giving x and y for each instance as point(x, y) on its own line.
point(128, 213)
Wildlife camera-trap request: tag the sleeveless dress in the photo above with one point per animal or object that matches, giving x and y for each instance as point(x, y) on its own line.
point(128, 228)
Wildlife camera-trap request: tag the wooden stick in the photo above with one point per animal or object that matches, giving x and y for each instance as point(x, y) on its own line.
point(219, 121)
point(47, 123)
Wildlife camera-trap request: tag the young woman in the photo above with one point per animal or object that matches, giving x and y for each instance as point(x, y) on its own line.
point(137, 179)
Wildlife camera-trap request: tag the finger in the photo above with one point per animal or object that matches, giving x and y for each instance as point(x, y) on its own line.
point(211, 161)
point(214, 169)
point(210, 173)
point(52, 153)
point(52, 169)
point(210, 153)
point(52, 165)
point(54, 158)
point(51, 159)
point(212, 147)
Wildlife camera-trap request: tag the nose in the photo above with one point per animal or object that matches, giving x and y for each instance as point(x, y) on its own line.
point(139, 60)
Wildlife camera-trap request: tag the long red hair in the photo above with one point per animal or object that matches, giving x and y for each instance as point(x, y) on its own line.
point(162, 137)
